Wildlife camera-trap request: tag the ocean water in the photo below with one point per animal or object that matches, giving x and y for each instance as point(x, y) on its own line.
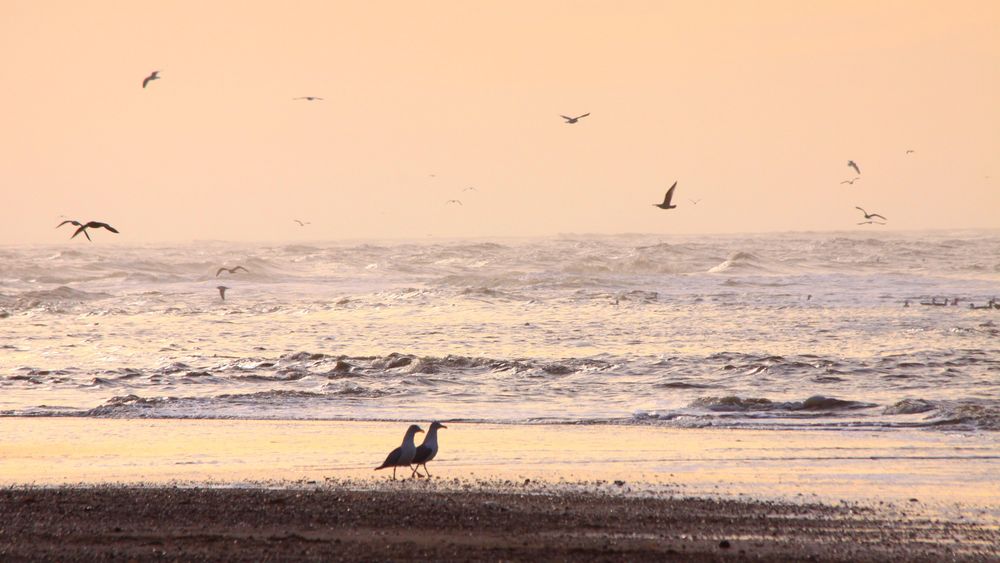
point(781, 331)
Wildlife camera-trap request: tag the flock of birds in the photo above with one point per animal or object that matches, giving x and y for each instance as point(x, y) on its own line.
point(412, 456)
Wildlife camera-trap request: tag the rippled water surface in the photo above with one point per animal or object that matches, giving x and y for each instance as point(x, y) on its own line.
point(789, 330)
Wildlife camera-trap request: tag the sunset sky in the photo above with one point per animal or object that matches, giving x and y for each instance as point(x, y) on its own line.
point(754, 107)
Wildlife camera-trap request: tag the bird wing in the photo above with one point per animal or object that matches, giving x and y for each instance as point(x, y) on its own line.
point(391, 460)
point(220, 271)
point(97, 225)
point(566, 117)
point(81, 229)
point(879, 216)
point(301, 224)
point(854, 165)
point(423, 454)
point(582, 116)
point(233, 271)
point(148, 78)
point(862, 210)
point(669, 195)
point(77, 223)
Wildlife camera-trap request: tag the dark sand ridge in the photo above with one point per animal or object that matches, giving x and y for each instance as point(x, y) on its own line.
point(468, 522)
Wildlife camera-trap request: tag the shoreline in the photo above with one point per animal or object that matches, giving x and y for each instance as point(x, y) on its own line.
point(463, 520)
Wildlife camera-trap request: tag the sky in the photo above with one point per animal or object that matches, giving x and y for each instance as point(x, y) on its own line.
point(754, 108)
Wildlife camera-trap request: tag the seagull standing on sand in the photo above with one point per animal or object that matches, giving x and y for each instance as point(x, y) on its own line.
point(404, 454)
point(427, 450)
point(154, 76)
point(666, 198)
point(854, 165)
point(572, 120)
point(231, 270)
point(870, 215)
point(82, 227)
point(222, 291)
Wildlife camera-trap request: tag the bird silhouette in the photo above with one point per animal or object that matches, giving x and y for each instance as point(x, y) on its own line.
point(870, 215)
point(222, 291)
point(427, 450)
point(309, 98)
point(666, 198)
point(454, 201)
point(82, 227)
point(694, 201)
point(470, 189)
point(851, 181)
point(154, 76)
point(854, 165)
point(301, 223)
point(910, 151)
point(572, 120)
point(231, 270)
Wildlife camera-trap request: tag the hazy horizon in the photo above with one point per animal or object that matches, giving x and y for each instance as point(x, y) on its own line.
point(753, 109)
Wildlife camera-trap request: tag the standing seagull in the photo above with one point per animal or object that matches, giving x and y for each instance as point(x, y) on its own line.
point(666, 199)
point(572, 120)
point(150, 78)
point(870, 215)
point(222, 291)
point(403, 455)
point(82, 227)
point(231, 270)
point(427, 450)
point(309, 98)
point(854, 165)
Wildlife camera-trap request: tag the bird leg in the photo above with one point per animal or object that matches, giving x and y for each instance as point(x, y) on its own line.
point(416, 471)
point(427, 470)
point(393, 472)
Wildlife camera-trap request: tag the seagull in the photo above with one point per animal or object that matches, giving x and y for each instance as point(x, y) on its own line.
point(301, 224)
point(854, 165)
point(910, 151)
point(222, 291)
point(453, 201)
point(427, 450)
point(470, 189)
point(667, 198)
point(851, 181)
point(309, 98)
point(231, 270)
point(870, 215)
point(403, 455)
point(150, 78)
point(572, 120)
point(694, 201)
point(82, 227)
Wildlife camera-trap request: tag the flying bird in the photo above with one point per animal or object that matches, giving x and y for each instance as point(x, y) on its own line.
point(694, 201)
point(82, 227)
point(470, 189)
point(870, 215)
point(403, 455)
point(910, 151)
point(854, 165)
point(572, 120)
point(154, 76)
point(231, 270)
point(454, 201)
point(666, 198)
point(222, 291)
point(851, 181)
point(427, 450)
point(301, 224)
point(309, 98)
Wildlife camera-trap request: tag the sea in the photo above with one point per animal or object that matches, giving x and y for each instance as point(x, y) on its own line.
point(784, 331)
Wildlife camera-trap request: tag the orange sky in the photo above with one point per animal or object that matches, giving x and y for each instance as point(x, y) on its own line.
point(755, 107)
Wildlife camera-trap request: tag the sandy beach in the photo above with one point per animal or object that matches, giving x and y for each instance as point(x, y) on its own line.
point(83, 489)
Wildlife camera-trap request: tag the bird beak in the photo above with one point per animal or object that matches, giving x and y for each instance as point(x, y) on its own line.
point(443, 426)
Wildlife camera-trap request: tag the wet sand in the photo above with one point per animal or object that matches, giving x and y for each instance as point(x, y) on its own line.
point(464, 521)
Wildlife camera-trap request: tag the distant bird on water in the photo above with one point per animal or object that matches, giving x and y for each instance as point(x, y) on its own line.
point(870, 215)
point(302, 224)
point(851, 181)
point(666, 198)
point(854, 165)
point(154, 76)
point(404, 454)
point(82, 227)
point(427, 450)
point(231, 270)
point(454, 201)
point(571, 120)
point(309, 98)
point(222, 291)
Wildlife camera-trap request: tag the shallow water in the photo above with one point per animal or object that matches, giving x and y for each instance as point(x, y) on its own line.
point(801, 330)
